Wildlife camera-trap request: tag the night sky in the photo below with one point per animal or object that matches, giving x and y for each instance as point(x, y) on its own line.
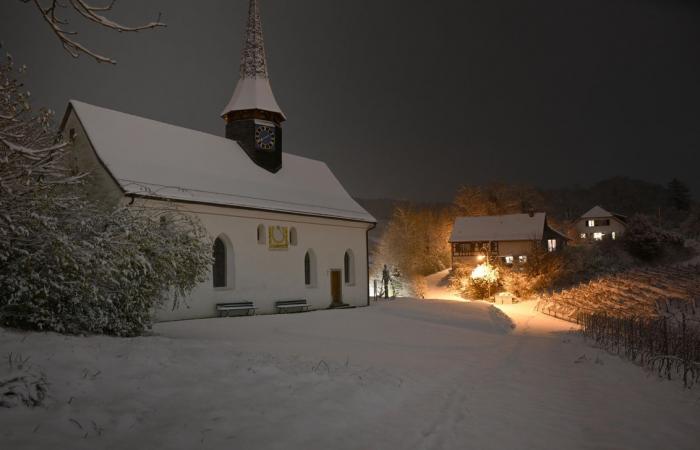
point(410, 99)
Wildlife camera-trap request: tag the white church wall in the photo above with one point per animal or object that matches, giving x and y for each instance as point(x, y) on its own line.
point(255, 273)
point(84, 160)
point(262, 275)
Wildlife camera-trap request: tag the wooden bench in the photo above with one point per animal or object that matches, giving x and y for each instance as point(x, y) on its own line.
point(225, 309)
point(292, 305)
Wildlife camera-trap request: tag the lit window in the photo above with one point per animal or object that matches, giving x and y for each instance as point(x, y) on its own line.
point(552, 245)
point(509, 260)
point(590, 223)
point(598, 236)
point(613, 235)
point(583, 235)
point(522, 259)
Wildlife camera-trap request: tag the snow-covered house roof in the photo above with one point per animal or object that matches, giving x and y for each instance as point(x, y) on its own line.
point(253, 90)
point(597, 212)
point(154, 159)
point(511, 227)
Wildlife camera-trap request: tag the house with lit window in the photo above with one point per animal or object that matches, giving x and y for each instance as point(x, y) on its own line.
point(283, 227)
point(507, 239)
point(598, 224)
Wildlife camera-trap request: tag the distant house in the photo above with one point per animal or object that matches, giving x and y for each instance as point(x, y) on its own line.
point(509, 238)
point(598, 223)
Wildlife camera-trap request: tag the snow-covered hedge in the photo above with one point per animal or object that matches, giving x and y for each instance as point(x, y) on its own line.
point(87, 270)
point(68, 264)
point(648, 242)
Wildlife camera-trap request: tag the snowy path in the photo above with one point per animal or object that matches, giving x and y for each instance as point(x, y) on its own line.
point(405, 374)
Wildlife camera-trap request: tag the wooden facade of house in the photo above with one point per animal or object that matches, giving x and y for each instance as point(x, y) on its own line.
point(508, 239)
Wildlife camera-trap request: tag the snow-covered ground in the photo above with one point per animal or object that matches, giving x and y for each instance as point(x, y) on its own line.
point(402, 374)
point(438, 287)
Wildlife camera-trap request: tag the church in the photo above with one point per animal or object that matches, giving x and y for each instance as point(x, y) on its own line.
point(282, 226)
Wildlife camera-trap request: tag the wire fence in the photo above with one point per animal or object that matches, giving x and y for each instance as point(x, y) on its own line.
point(668, 346)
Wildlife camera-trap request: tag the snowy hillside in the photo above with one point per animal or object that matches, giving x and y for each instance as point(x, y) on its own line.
point(400, 374)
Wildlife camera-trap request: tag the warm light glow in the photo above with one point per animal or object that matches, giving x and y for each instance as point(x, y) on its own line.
point(485, 272)
point(480, 257)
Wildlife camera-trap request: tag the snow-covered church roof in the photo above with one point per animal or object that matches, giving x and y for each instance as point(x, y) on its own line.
point(510, 227)
point(155, 159)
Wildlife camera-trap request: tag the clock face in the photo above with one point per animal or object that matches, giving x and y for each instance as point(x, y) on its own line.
point(265, 137)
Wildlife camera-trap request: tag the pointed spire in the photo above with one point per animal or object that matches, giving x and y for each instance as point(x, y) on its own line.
point(253, 90)
point(253, 60)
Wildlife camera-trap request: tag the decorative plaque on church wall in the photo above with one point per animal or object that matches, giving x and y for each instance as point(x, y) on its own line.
point(278, 237)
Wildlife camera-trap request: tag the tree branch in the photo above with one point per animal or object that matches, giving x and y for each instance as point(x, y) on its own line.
point(91, 13)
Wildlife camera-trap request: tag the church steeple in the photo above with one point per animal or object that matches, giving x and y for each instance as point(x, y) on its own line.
point(253, 58)
point(253, 116)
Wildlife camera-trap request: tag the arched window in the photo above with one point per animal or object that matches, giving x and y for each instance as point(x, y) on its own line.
point(219, 269)
point(349, 267)
point(310, 269)
point(223, 270)
point(293, 236)
point(261, 234)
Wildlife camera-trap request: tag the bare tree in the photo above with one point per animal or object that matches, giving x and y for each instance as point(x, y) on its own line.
point(49, 10)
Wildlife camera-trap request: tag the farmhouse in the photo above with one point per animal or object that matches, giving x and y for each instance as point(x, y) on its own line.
point(598, 223)
point(283, 226)
point(508, 238)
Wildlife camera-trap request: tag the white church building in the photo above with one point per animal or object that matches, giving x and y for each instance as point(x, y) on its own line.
point(283, 226)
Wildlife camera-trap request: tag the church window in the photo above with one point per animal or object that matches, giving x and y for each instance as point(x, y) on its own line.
point(309, 269)
point(219, 269)
point(261, 234)
point(349, 267)
point(293, 236)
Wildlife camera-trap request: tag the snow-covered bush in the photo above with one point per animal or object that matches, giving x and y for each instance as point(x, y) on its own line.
point(480, 282)
point(419, 286)
point(68, 264)
point(518, 283)
point(647, 242)
point(87, 270)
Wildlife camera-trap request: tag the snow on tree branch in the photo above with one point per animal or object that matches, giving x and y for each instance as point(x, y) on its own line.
point(31, 155)
point(89, 12)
